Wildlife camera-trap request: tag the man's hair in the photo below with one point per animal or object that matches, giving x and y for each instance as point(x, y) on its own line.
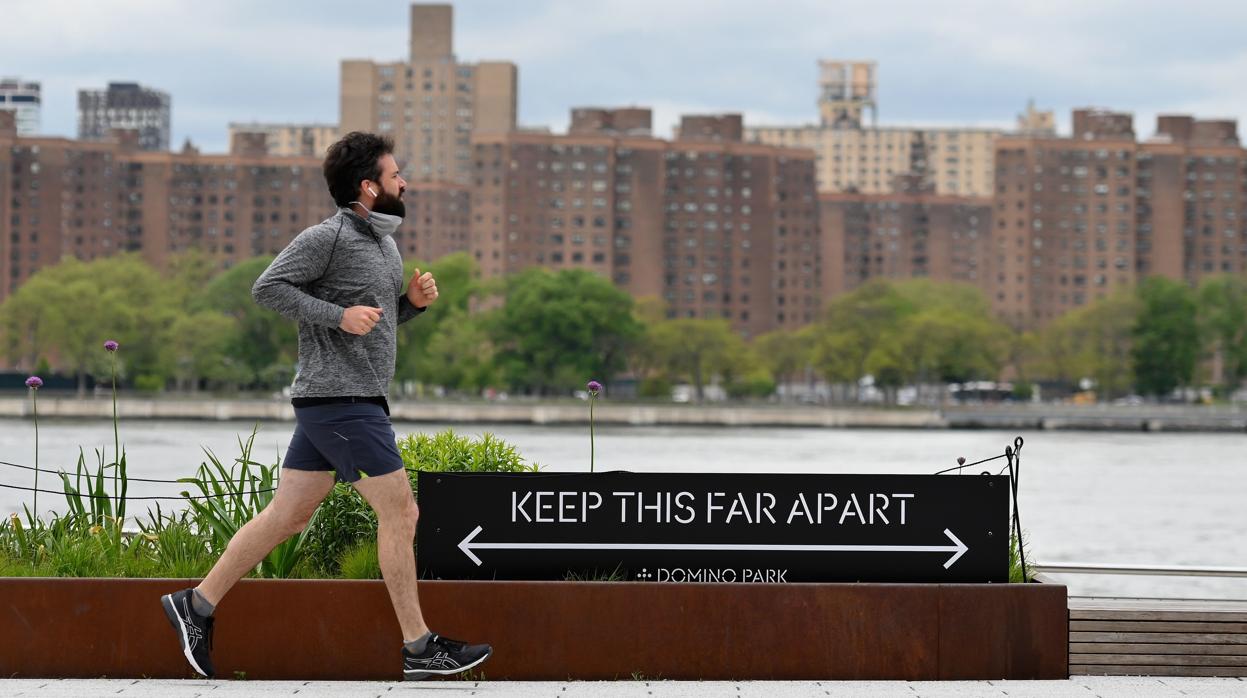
point(353, 159)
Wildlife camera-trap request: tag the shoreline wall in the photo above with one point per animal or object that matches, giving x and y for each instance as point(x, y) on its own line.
point(1167, 418)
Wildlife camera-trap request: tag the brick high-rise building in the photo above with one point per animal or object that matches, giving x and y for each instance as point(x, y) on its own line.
point(855, 156)
point(291, 140)
point(911, 234)
point(713, 226)
point(1077, 217)
point(1064, 218)
point(430, 103)
point(1193, 200)
point(89, 199)
point(438, 221)
point(630, 121)
point(129, 106)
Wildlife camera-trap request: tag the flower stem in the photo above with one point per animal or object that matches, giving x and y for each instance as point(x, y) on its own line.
point(591, 400)
point(116, 437)
point(36, 399)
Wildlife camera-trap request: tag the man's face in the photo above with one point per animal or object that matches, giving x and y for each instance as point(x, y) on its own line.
point(389, 196)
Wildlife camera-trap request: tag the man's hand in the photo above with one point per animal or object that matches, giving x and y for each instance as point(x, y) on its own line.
point(360, 319)
point(422, 289)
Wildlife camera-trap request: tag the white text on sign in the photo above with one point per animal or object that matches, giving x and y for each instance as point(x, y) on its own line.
point(625, 507)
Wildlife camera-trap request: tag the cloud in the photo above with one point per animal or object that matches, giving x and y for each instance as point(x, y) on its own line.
point(961, 61)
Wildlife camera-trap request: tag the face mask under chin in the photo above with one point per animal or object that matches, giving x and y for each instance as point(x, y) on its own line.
point(386, 215)
point(383, 223)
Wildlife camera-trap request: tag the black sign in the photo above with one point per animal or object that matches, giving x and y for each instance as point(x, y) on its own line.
point(674, 527)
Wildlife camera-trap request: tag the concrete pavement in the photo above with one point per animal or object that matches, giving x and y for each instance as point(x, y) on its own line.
point(1081, 687)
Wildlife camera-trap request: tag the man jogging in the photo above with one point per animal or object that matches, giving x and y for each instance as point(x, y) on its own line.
point(342, 281)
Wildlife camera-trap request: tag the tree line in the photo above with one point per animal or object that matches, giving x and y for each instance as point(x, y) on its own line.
point(543, 332)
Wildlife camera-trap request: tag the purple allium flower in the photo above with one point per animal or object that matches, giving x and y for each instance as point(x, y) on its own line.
point(594, 386)
point(111, 345)
point(34, 382)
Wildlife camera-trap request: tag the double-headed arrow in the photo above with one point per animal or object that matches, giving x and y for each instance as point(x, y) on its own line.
point(469, 543)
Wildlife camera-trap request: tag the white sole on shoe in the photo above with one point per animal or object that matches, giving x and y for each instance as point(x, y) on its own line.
point(418, 674)
point(176, 621)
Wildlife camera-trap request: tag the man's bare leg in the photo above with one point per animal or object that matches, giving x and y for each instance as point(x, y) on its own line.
point(298, 494)
point(390, 496)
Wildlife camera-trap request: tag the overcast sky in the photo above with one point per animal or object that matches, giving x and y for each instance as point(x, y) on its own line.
point(941, 63)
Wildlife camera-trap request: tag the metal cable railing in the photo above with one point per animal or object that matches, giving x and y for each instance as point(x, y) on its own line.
point(1142, 570)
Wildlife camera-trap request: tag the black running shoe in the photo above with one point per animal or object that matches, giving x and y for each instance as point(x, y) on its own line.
point(443, 657)
point(194, 631)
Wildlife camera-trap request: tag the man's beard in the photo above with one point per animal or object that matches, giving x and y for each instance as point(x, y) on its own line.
point(389, 205)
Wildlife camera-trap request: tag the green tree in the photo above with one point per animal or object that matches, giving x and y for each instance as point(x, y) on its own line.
point(189, 273)
point(558, 329)
point(695, 350)
point(1223, 324)
point(81, 304)
point(1105, 343)
point(916, 331)
point(852, 327)
point(457, 287)
point(1054, 353)
point(943, 344)
point(1091, 342)
point(262, 344)
point(460, 355)
point(951, 335)
point(24, 320)
point(199, 345)
point(1166, 336)
point(1021, 348)
point(786, 354)
point(887, 364)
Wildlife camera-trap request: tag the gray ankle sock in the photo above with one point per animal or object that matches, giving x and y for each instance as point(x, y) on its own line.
point(417, 645)
point(200, 604)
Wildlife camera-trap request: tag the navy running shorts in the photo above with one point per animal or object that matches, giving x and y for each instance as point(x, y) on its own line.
point(349, 439)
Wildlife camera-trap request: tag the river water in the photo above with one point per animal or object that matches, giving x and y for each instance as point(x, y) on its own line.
point(1138, 498)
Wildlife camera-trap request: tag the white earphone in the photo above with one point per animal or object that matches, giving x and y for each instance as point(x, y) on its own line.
point(370, 191)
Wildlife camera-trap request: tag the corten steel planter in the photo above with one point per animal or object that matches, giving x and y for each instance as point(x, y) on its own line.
point(330, 629)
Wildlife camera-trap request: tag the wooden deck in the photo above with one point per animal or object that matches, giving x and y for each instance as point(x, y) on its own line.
point(1157, 637)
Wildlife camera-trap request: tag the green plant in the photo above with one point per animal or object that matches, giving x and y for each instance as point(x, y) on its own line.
point(71, 547)
point(595, 575)
point(474, 675)
point(12, 537)
point(119, 461)
point(86, 496)
point(11, 567)
point(90, 505)
point(360, 561)
point(88, 540)
point(34, 383)
point(233, 496)
point(21, 548)
point(177, 548)
point(1016, 573)
point(447, 452)
point(343, 520)
point(94, 507)
point(594, 388)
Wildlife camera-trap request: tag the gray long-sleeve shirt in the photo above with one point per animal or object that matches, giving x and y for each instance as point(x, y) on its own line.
point(331, 266)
